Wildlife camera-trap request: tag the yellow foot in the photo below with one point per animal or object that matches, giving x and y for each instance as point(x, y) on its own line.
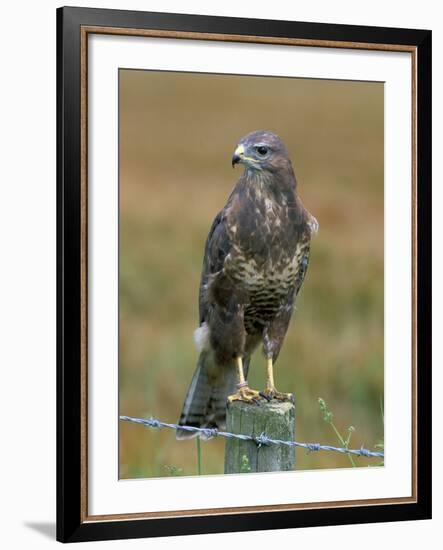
point(272, 393)
point(245, 394)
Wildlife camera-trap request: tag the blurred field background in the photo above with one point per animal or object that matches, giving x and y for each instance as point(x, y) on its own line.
point(177, 135)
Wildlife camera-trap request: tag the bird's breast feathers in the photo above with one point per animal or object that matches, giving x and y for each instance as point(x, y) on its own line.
point(266, 249)
point(275, 276)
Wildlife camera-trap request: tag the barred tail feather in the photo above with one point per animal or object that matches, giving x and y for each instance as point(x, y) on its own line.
point(205, 403)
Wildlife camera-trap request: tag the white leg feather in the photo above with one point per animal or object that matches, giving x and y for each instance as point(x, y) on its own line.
point(201, 338)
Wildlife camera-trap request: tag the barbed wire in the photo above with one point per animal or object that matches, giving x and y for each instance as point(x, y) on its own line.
point(259, 440)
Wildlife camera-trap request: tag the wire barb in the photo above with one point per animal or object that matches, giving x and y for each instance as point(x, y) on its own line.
point(259, 440)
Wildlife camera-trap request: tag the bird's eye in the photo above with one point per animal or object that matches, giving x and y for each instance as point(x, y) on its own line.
point(262, 150)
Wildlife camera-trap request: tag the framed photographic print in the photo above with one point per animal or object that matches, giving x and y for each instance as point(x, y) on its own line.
point(244, 274)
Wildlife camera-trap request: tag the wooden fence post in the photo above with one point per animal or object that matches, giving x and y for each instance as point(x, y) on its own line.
point(276, 420)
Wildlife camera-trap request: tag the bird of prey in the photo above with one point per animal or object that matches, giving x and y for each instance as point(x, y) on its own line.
point(255, 260)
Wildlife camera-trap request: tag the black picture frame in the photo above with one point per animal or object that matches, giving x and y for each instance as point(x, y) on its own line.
point(72, 524)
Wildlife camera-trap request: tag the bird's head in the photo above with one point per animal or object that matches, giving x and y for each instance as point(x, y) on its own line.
point(261, 151)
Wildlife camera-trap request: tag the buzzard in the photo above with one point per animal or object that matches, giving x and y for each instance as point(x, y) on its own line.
point(255, 260)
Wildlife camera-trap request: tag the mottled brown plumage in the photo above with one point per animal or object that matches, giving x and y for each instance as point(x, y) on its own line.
point(255, 261)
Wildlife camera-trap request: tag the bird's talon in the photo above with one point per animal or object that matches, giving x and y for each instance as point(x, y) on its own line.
point(263, 394)
point(246, 394)
point(272, 393)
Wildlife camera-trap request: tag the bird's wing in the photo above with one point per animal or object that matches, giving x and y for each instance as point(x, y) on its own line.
point(303, 266)
point(277, 329)
point(218, 246)
point(310, 228)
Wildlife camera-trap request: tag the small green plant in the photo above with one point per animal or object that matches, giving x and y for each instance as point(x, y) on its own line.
point(173, 470)
point(245, 467)
point(328, 418)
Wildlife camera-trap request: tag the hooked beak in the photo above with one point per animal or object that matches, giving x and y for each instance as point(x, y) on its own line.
point(238, 155)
